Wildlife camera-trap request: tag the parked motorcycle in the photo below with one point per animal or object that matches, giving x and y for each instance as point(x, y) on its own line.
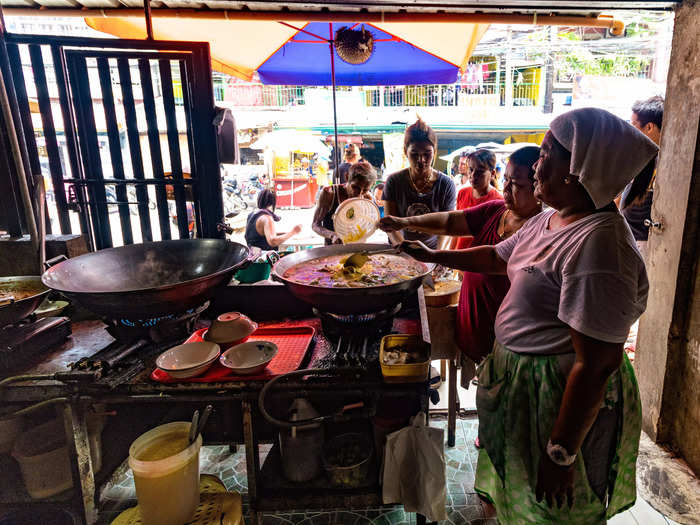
point(234, 202)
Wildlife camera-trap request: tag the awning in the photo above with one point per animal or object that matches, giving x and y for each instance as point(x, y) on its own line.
point(240, 47)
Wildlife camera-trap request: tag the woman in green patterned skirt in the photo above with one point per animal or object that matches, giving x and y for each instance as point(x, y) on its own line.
point(558, 404)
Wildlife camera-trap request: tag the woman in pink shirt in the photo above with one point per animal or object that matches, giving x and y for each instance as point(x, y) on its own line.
point(558, 403)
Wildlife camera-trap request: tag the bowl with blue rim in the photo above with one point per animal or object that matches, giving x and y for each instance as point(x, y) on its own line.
point(250, 357)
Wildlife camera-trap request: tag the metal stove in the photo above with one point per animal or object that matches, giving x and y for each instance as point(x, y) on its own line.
point(135, 339)
point(30, 338)
point(164, 328)
point(355, 339)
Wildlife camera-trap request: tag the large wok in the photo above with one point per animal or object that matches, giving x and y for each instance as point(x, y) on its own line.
point(21, 308)
point(141, 281)
point(346, 301)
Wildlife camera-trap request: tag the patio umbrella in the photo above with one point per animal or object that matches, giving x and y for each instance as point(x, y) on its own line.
point(464, 150)
point(310, 58)
point(292, 140)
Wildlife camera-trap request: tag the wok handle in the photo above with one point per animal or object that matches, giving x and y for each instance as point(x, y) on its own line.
point(54, 261)
point(351, 407)
point(247, 261)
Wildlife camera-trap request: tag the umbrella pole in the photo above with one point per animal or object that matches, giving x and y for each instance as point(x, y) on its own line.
point(336, 159)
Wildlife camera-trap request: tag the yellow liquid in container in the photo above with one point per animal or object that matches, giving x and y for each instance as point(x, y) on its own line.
point(166, 474)
point(164, 447)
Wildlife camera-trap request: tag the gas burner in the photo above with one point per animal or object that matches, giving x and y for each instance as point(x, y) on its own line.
point(136, 338)
point(355, 338)
point(373, 326)
point(159, 329)
point(21, 342)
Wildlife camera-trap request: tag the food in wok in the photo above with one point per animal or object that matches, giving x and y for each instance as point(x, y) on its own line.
point(330, 272)
point(13, 294)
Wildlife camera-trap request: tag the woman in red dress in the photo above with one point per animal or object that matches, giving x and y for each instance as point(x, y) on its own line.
point(482, 188)
point(487, 224)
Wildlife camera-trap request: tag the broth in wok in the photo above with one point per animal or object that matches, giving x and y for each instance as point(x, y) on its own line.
point(329, 272)
point(18, 291)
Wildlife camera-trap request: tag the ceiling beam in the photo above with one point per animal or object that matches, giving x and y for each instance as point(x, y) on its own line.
point(615, 26)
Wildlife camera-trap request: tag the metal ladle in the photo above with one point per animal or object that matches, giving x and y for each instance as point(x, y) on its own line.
point(357, 260)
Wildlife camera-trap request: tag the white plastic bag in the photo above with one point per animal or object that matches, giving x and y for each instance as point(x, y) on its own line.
point(414, 469)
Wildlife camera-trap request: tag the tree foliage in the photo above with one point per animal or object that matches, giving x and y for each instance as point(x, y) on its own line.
point(581, 61)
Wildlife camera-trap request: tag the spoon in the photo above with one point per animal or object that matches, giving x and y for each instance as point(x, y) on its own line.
point(194, 427)
point(203, 419)
point(357, 260)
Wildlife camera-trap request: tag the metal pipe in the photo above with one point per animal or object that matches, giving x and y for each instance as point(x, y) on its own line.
point(615, 26)
point(37, 406)
point(149, 21)
point(21, 174)
point(34, 377)
point(336, 156)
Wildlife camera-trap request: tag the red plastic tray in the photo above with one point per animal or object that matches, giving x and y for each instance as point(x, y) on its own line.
point(292, 343)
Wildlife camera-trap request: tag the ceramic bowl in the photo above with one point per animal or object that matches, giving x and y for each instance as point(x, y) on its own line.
point(230, 328)
point(249, 358)
point(189, 359)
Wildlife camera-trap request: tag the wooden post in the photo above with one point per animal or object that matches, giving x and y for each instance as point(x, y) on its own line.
point(668, 346)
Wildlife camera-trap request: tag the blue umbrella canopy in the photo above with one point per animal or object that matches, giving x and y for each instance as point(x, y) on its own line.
point(305, 60)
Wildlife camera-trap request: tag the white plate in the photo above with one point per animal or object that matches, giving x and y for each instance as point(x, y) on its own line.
point(189, 359)
point(250, 357)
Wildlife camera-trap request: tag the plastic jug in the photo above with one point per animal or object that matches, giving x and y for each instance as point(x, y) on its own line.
point(166, 474)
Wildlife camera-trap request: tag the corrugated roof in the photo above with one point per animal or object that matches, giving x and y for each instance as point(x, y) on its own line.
point(504, 6)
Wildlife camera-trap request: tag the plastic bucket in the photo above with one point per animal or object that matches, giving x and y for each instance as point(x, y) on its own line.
point(167, 489)
point(257, 271)
point(42, 454)
point(9, 430)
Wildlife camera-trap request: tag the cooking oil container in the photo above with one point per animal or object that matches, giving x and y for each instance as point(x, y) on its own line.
point(301, 447)
point(166, 474)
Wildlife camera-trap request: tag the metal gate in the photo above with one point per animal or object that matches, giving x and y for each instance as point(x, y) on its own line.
point(126, 135)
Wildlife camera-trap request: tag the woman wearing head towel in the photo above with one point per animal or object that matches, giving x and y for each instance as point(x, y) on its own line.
point(558, 405)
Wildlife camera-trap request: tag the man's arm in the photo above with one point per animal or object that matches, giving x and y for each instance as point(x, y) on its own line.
point(325, 201)
point(395, 237)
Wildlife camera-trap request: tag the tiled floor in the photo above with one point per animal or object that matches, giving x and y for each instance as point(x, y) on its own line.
point(463, 506)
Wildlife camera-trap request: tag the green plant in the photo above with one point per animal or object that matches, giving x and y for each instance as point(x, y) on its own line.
point(584, 62)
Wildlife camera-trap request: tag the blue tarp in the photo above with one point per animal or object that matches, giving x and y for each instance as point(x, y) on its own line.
point(305, 61)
